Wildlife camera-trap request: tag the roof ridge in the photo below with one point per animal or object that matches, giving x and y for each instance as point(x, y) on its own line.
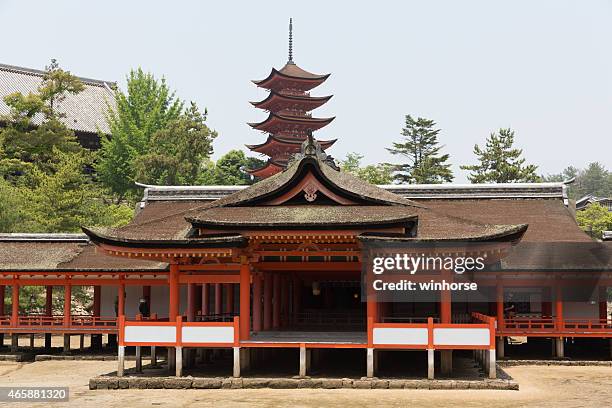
point(38, 72)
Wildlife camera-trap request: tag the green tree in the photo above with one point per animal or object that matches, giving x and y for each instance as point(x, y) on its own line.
point(67, 198)
point(373, 173)
point(231, 168)
point(179, 152)
point(147, 107)
point(500, 162)
point(594, 220)
point(421, 149)
point(594, 180)
point(42, 167)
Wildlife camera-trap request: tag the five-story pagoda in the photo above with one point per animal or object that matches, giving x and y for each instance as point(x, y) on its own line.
point(289, 121)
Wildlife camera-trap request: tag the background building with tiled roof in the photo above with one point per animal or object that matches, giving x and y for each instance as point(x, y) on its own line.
point(84, 113)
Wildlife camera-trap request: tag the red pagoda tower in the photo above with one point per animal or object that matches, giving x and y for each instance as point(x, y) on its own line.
point(289, 120)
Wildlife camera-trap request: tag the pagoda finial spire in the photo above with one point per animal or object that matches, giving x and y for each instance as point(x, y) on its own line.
point(290, 61)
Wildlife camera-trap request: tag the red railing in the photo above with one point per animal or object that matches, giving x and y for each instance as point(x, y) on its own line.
point(552, 325)
point(42, 322)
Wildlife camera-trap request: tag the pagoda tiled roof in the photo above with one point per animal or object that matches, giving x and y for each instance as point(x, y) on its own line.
point(304, 121)
point(292, 72)
point(288, 141)
point(312, 102)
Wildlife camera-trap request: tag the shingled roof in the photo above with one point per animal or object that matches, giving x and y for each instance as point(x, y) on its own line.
point(63, 252)
point(84, 112)
point(249, 209)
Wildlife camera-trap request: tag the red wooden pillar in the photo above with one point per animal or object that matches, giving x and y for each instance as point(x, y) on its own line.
point(218, 295)
point(205, 299)
point(500, 305)
point(285, 301)
point(121, 299)
point(245, 300)
point(546, 302)
point(14, 303)
point(146, 294)
point(257, 290)
point(276, 301)
point(174, 298)
point(297, 298)
point(559, 306)
point(49, 301)
point(191, 302)
point(2, 290)
point(445, 300)
point(229, 298)
point(603, 304)
point(371, 316)
point(267, 303)
point(67, 304)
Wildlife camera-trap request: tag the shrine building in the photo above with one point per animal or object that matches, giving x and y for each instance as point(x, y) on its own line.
point(278, 265)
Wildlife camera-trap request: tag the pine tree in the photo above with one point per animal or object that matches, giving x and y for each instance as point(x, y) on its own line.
point(420, 147)
point(500, 162)
point(43, 182)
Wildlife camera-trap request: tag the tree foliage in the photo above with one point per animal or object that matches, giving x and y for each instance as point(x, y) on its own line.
point(421, 150)
point(44, 183)
point(231, 169)
point(500, 162)
point(178, 153)
point(372, 173)
point(594, 220)
point(149, 106)
point(593, 180)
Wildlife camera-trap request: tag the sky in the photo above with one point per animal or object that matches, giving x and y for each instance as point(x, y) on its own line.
point(543, 68)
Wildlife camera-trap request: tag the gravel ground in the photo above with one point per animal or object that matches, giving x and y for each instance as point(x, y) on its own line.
point(540, 386)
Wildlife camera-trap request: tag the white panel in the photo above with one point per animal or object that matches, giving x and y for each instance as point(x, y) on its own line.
point(387, 335)
point(150, 334)
point(213, 334)
point(461, 337)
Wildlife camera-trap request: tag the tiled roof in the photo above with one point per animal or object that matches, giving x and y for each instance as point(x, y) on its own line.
point(85, 111)
point(409, 191)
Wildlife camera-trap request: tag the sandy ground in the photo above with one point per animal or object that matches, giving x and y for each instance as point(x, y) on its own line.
point(540, 387)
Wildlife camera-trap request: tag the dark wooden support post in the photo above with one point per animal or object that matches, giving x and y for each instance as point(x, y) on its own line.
point(285, 301)
point(267, 320)
point(276, 301)
point(218, 296)
point(96, 339)
point(205, 299)
point(229, 298)
point(191, 302)
point(603, 303)
point(245, 299)
point(297, 299)
point(257, 291)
